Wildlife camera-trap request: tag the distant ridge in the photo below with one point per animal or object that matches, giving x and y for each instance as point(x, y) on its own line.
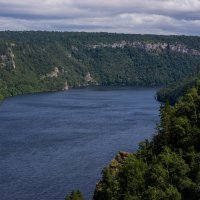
point(35, 61)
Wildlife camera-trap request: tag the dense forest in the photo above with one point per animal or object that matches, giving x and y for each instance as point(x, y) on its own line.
point(50, 61)
point(174, 91)
point(168, 166)
point(165, 168)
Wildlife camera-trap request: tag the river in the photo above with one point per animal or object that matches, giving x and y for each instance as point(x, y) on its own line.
point(51, 143)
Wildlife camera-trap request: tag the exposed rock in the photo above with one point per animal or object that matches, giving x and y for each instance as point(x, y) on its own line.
point(119, 158)
point(69, 55)
point(74, 48)
point(158, 47)
point(12, 44)
point(53, 73)
point(88, 77)
point(7, 60)
point(66, 86)
point(3, 58)
point(12, 56)
point(114, 168)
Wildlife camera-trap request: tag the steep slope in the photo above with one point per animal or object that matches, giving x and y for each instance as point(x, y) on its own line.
point(174, 91)
point(168, 167)
point(47, 61)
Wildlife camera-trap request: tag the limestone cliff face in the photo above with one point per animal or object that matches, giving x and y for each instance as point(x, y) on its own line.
point(54, 73)
point(66, 86)
point(11, 56)
point(7, 59)
point(158, 47)
point(88, 78)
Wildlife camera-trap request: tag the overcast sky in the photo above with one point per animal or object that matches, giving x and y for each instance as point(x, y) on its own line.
point(122, 16)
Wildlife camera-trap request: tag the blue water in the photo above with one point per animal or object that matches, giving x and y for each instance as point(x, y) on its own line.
point(54, 142)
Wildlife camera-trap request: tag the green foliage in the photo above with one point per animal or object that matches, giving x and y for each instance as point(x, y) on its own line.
point(174, 91)
point(109, 187)
point(75, 195)
point(155, 193)
point(36, 54)
point(124, 182)
point(166, 168)
point(131, 177)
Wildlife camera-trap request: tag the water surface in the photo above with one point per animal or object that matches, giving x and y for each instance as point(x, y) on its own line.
point(54, 142)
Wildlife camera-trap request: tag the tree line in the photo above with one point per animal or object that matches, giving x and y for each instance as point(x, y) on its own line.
point(36, 54)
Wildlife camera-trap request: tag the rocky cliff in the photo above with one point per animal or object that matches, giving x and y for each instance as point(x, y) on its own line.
point(7, 59)
point(156, 47)
point(51, 61)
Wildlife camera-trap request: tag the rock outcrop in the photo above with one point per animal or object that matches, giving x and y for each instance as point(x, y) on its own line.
point(158, 47)
point(66, 86)
point(7, 60)
point(88, 78)
point(114, 167)
point(54, 73)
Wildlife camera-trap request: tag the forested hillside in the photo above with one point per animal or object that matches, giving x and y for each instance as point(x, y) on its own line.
point(48, 61)
point(165, 168)
point(174, 91)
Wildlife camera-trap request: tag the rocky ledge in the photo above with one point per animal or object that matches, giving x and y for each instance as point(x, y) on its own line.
point(158, 47)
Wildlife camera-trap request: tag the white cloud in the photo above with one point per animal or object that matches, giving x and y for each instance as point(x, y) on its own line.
point(129, 16)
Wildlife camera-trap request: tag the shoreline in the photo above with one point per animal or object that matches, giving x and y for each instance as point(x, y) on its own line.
point(92, 87)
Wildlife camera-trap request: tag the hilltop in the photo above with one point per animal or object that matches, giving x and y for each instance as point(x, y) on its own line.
point(51, 61)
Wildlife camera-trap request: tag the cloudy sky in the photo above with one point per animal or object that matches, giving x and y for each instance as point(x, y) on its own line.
point(122, 16)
